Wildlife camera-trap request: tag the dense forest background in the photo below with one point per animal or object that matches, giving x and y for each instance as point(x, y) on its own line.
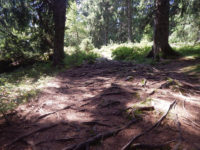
point(27, 27)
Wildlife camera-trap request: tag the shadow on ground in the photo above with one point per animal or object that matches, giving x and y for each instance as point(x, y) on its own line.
point(85, 101)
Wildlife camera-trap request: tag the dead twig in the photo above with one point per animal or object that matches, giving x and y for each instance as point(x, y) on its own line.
point(101, 136)
point(128, 145)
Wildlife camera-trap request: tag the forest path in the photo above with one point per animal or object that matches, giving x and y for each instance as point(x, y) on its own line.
point(85, 101)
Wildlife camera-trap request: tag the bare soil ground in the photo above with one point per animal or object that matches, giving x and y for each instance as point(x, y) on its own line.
point(85, 101)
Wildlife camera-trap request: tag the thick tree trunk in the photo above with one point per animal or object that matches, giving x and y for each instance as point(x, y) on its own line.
point(129, 19)
point(161, 31)
point(59, 13)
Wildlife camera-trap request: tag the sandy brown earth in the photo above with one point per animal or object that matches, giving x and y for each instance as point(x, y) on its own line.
point(83, 102)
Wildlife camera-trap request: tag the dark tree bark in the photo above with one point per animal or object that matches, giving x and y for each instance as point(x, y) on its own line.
point(161, 31)
point(129, 19)
point(59, 12)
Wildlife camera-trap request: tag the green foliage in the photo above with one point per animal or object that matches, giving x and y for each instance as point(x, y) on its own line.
point(148, 34)
point(78, 57)
point(185, 23)
point(26, 29)
point(25, 83)
point(188, 50)
point(76, 29)
point(86, 45)
point(123, 53)
point(130, 53)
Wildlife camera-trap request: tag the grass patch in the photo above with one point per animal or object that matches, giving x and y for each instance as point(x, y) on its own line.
point(78, 57)
point(193, 70)
point(134, 53)
point(188, 50)
point(24, 83)
point(137, 52)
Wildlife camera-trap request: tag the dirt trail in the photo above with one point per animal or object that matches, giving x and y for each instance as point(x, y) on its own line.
point(85, 101)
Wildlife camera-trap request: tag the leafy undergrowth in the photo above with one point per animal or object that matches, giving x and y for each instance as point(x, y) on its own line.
point(22, 84)
point(78, 57)
point(132, 51)
point(137, 52)
point(192, 51)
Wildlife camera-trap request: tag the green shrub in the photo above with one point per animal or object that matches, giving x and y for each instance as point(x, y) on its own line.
point(78, 57)
point(188, 50)
point(123, 53)
point(86, 45)
point(130, 53)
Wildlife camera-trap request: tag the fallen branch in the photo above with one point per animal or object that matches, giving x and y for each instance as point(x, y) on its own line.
point(128, 145)
point(30, 133)
point(101, 136)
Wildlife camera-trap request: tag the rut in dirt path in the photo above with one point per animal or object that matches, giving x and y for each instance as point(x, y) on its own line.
point(83, 102)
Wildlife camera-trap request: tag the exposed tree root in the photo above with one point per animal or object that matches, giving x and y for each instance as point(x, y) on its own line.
point(128, 145)
point(95, 123)
point(53, 140)
point(45, 115)
point(145, 108)
point(5, 118)
point(191, 123)
point(111, 103)
point(180, 138)
point(134, 111)
point(30, 133)
point(150, 146)
point(101, 136)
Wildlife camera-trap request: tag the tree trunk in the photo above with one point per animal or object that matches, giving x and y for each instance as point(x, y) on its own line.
point(161, 31)
point(129, 19)
point(59, 12)
point(106, 19)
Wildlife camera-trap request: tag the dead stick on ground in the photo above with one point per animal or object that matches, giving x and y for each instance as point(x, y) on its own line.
point(30, 133)
point(101, 136)
point(128, 145)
